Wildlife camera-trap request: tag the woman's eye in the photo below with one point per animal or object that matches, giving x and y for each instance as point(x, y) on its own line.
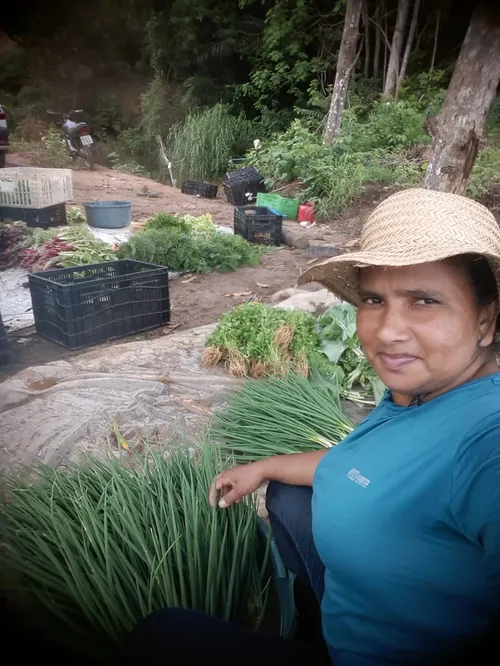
point(426, 301)
point(372, 300)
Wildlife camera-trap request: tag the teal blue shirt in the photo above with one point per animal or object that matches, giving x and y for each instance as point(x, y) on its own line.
point(406, 518)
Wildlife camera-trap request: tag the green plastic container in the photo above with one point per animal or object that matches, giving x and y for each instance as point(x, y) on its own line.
point(288, 207)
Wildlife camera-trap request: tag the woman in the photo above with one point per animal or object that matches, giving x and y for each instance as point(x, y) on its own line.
point(403, 545)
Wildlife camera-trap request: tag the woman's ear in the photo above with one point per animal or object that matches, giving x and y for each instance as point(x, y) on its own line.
point(487, 324)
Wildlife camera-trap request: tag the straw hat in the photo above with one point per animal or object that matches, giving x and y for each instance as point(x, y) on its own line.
point(414, 226)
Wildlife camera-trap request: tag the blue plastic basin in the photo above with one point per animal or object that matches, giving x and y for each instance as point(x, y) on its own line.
point(108, 214)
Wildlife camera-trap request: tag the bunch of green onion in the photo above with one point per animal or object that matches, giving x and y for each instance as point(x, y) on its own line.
point(278, 416)
point(94, 549)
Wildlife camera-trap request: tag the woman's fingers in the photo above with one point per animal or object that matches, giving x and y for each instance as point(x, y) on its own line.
point(229, 498)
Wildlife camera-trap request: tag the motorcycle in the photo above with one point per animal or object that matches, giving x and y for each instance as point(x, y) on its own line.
point(79, 142)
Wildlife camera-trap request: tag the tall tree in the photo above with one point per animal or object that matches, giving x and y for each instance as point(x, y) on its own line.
point(409, 44)
point(345, 63)
point(391, 79)
point(457, 130)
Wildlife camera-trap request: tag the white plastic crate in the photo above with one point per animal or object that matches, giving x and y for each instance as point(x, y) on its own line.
point(28, 187)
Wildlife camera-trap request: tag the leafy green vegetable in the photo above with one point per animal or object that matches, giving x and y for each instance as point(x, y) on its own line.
point(186, 223)
point(189, 250)
point(279, 416)
point(341, 345)
point(96, 548)
point(256, 340)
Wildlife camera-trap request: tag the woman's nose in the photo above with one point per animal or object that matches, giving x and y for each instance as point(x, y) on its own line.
point(393, 326)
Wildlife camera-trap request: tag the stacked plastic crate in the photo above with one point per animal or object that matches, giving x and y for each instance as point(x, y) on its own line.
point(35, 196)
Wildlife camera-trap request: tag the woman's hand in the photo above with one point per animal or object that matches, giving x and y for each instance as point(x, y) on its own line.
point(234, 484)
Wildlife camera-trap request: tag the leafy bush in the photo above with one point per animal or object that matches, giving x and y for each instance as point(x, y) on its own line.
point(485, 173)
point(203, 144)
point(391, 126)
point(331, 175)
point(96, 548)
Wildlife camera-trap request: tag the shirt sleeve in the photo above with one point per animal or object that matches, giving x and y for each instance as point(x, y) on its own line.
point(475, 500)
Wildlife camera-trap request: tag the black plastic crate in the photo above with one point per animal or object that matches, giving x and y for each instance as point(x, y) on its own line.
point(244, 174)
point(50, 216)
point(5, 355)
point(242, 186)
point(200, 189)
point(258, 225)
point(86, 305)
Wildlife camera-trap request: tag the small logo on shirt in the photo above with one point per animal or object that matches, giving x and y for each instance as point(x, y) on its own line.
point(357, 477)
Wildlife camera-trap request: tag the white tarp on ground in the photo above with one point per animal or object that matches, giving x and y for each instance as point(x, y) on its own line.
point(156, 390)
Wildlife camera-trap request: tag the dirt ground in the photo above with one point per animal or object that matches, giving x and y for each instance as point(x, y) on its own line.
point(201, 299)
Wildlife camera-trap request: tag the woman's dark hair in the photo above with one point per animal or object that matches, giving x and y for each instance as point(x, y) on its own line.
point(482, 280)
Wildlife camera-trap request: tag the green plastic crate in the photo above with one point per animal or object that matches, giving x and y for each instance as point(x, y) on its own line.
point(285, 206)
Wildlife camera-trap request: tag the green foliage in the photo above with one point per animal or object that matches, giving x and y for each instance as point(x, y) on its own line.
point(108, 116)
point(485, 174)
point(391, 126)
point(426, 91)
point(183, 247)
point(341, 345)
point(94, 549)
point(14, 66)
point(281, 416)
point(287, 59)
point(331, 175)
point(256, 340)
point(202, 146)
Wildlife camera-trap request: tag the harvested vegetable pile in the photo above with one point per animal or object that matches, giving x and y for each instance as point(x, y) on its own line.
point(279, 416)
point(70, 247)
point(341, 345)
point(15, 238)
point(96, 548)
point(189, 244)
point(13, 242)
point(254, 340)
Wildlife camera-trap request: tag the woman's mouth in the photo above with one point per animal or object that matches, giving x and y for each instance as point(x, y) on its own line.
point(396, 361)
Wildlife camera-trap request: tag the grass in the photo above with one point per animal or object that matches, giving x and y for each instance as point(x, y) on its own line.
point(202, 146)
point(98, 547)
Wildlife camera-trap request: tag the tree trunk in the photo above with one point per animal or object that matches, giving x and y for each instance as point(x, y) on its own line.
point(345, 63)
point(391, 79)
point(378, 41)
point(434, 48)
point(457, 130)
point(409, 42)
point(366, 26)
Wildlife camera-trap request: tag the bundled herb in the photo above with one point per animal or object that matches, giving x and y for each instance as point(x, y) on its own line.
point(97, 548)
point(185, 223)
point(187, 250)
point(341, 345)
point(254, 340)
point(280, 416)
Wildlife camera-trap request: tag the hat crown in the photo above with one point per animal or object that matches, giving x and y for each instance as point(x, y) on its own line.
point(420, 224)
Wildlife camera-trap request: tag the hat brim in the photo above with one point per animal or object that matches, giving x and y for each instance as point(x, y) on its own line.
point(340, 274)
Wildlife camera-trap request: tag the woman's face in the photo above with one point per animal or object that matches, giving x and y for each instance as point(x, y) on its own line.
point(421, 328)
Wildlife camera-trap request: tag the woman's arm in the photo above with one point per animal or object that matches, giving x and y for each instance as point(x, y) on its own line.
point(295, 469)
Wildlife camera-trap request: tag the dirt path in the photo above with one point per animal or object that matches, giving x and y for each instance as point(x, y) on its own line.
point(201, 300)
